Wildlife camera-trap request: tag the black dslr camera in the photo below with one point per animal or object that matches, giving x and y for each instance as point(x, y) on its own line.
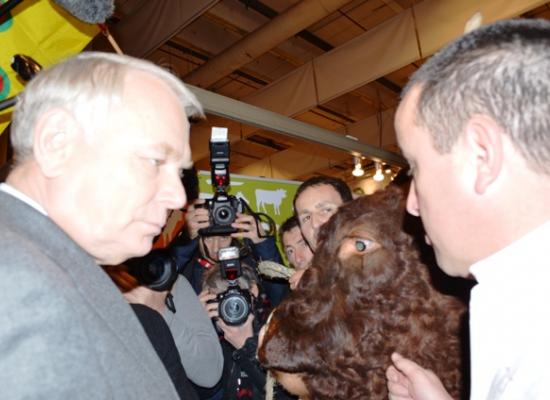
point(222, 208)
point(235, 304)
point(156, 270)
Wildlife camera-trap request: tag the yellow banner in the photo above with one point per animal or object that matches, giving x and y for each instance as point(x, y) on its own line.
point(42, 30)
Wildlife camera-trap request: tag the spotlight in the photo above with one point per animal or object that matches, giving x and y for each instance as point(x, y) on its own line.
point(358, 170)
point(379, 175)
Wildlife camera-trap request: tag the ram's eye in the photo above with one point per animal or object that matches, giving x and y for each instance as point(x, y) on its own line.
point(356, 245)
point(362, 245)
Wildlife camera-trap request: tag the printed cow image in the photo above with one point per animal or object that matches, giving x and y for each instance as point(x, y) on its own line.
point(272, 197)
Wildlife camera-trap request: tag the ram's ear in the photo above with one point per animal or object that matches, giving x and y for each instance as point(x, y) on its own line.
point(484, 141)
point(55, 137)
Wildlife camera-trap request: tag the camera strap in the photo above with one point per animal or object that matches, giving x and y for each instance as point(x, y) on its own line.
point(169, 302)
point(204, 263)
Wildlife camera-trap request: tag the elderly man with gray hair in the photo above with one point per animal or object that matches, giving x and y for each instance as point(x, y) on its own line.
point(100, 141)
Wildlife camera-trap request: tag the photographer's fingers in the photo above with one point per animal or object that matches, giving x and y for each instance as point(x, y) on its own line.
point(205, 296)
point(209, 303)
point(212, 310)
point(196, 218)
point(248, 228)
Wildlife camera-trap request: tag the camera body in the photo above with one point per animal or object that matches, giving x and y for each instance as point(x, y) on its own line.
point(222, 212)
point(234, 304)
point(223, 207)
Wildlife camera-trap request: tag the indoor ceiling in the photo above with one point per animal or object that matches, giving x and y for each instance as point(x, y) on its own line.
point(335, 65)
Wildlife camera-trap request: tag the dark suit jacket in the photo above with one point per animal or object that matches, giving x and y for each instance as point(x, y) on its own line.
point(65, 330)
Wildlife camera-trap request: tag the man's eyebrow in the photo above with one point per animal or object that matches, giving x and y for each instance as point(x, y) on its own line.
point(162, 147)
point(324, 203)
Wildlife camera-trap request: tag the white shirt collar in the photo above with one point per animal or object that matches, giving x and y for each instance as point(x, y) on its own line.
point(518, 259)
point(4, 187)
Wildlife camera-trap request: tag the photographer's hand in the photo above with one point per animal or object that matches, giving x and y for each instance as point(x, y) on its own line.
point(196, 218)
point(211, 307)
point(237, 335)
point(248, 227)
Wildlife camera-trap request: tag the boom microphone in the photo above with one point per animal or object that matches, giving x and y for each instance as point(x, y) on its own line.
point(26, 67)
point(91, 11)
point(7, 6)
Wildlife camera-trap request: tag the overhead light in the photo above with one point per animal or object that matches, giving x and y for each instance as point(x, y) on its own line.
point(358, 170)
point(379, 175)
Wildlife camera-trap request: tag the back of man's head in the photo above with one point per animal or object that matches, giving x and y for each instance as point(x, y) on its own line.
point(337, 184)
point(501, 70)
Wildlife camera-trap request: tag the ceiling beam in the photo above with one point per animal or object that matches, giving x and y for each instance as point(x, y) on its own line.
point(266, 37)
point(260, 118)
point(310, 37)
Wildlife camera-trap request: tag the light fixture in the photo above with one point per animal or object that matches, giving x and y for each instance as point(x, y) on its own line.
point(358, 170)
point(378, 176)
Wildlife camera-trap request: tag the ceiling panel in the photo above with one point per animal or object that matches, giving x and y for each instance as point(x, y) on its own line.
point(365, 112)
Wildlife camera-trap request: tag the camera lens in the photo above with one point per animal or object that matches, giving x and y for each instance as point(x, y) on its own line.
point(234, 309)
point(156, 270)
point(224, 215)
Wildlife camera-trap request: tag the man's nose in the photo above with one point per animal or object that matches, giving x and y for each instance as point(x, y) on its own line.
point(298, 260)
point(317, 220)
point(172, 192)
point(216, 245)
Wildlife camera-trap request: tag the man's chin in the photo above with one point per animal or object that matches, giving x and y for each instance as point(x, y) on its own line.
point(449, 266)
point(143, 248)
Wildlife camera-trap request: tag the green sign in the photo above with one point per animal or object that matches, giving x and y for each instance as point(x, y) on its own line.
point(270, 196)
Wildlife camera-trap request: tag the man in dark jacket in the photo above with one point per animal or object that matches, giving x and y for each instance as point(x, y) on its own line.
point(200, 252)
point(243, 377)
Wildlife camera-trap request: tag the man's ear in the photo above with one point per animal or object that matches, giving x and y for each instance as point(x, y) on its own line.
point(54, 140)
point(484, 140)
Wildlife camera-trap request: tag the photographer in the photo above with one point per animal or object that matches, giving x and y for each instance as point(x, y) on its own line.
point(184, 328)
point(243, 377)
point(200, 253)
